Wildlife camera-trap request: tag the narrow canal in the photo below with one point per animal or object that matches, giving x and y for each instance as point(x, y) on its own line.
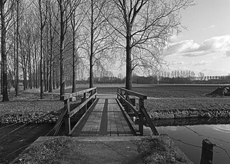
point(189, 138)
point(186, 133)
point(16, 138)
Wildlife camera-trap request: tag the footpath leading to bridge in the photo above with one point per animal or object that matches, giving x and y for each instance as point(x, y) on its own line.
point(105, 133)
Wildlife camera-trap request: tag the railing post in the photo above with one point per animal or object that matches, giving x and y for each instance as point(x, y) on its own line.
point(141, 119)
point(85, 107)
point(67, 118)
point(126, 106)
point(207, 152)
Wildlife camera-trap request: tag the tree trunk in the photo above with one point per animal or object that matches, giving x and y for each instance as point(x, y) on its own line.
point(3, 55)
point(24, 78)
point(47, 57)
point(54, 77)
point(51, 57)
point(36, 70)
point(30, 71)
point(17, 55)
point(14, 82)
point(50, 74)
point(128, 62)
point(74, 69)
point(41, 51)
point(1, 78)
point(41, 59)
point(91, 49)
point(62, 83)
point(44, 73)
point(91, 72)
point(47, 73)
point(57, 82)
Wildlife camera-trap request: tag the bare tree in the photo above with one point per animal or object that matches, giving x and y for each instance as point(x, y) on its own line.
point(64, 16)
point(6, 14)
point(144, 27)
point(17, 50)
point(76, 20)
point(51, 35)
point(97, 34)
point(43, 18)
point(27, 42)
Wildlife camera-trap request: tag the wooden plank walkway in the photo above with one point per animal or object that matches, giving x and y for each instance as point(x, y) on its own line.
point(105, 119)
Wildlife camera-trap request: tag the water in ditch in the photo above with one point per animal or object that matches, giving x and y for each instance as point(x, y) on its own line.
point(189, 133)
point(13, 142)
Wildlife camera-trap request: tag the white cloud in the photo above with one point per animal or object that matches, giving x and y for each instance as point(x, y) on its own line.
point(214, 72)
point(175, 37)
point(177, 62)
point(206, 28)
point(222, 128)
point(201, 63)
point(191, 49)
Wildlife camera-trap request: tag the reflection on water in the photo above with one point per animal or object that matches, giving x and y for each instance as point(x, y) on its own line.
point(192, 137)
point(221, 128)
point(191, 121)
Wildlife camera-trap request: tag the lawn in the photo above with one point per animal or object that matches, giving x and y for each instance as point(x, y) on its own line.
point(159, 91)
point(175, 91)
point(27, 107)
point(204, 104)
point(160, 98)
point(165, 97)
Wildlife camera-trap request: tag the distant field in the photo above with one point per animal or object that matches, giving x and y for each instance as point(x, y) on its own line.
point(159, 91)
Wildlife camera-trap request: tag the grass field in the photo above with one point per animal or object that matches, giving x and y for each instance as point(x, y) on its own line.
point(172, 97)
point(158, 91)
point(160, 97)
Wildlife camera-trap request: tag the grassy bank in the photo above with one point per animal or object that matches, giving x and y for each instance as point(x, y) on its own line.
point(159, 91)
point(161, 98)
point(176, 104)
point(28, 107)
point(112, 150)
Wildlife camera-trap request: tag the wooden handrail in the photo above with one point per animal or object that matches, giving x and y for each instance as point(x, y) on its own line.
point(129, 104)
point(76, 94)
point(140, 112)
point(58, 123)
point(140, 95)
point(81, 105)
point(87, 96)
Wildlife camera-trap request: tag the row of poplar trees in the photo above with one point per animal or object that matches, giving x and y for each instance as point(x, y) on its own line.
point(47, 40)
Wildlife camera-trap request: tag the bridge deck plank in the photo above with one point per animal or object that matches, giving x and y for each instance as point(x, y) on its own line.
point(106, 119)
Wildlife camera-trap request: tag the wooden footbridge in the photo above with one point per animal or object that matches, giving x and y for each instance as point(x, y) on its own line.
point(104, 115)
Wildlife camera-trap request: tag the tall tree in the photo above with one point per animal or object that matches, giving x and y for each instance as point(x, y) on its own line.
point(65, 12)
point(144, 26)
point(76, 20)
point(17, 51)
point(52, 28)
point(6, 14)
point(62, 11)
point(98, 35)
point(43, 18)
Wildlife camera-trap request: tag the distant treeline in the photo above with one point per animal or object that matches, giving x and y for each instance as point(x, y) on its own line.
point(145, 80)
point(195, 80)
point(163, 80)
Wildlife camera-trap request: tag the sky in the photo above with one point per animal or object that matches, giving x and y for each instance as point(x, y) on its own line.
point(204, 46)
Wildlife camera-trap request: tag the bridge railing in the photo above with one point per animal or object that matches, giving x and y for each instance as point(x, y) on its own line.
point(87, 95)
point(127, 98)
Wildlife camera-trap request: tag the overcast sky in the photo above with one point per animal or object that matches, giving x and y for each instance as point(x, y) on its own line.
point(205, 45)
